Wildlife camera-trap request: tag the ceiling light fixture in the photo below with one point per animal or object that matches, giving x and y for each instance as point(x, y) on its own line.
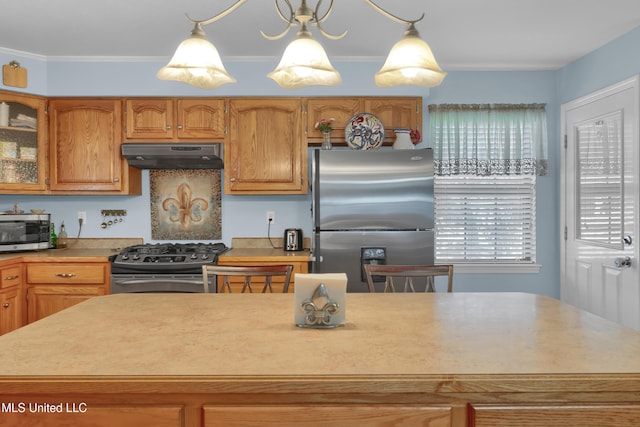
point(410, 61)
point(304, 62)
point(196, 60)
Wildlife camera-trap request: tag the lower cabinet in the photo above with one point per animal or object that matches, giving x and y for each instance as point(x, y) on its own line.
point(321, 415)
point(78, 413)
point(10, 313)
point(52, 287)
point(10, 298)
point(550, 415)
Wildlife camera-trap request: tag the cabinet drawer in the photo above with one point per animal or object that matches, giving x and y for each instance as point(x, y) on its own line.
point(66, 273)
point(9, 277)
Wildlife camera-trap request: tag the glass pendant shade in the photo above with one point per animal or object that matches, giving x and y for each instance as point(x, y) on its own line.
point(196, 62)
point(410, 62)
point(305, 63)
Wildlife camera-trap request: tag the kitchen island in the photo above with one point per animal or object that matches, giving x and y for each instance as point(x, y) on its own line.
point(483, 359)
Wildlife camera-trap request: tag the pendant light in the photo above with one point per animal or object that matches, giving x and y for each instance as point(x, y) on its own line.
point(410, 62)
point(304, 62)
point(196, 60)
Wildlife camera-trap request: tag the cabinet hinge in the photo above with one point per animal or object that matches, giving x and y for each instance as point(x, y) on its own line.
point(566, 139)
point(225, 107)
point(566, 232)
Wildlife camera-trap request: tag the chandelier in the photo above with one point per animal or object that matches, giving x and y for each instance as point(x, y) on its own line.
point(304, 62)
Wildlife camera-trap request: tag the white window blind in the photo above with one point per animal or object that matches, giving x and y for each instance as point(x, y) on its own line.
point(485, 219)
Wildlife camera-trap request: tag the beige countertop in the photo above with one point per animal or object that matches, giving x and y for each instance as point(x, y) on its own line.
point(259, 254)
point(249, 249)
point(79, 250)
point(397, 335)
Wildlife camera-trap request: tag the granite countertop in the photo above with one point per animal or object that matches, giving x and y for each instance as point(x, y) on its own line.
point(397, 335)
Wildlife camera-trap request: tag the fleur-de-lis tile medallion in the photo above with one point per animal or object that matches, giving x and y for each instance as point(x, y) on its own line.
point(185, 208)
point(185, 204)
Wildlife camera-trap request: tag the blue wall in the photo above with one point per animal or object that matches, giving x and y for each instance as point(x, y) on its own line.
point(244, 216)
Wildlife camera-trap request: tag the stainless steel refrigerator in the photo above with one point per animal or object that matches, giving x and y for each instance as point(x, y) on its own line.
point(373, 206)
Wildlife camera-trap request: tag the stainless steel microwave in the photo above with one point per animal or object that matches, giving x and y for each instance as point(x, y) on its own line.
point(24, 232)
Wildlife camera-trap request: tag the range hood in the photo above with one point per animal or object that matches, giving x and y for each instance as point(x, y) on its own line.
point(163, 155)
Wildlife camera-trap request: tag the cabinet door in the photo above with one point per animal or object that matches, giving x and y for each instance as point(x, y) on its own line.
point(200, 119)
point(340, 109)
point(78, 413)
point(396, 113)
point(85, 149)
point(324, 415)
point(550, 415)
point(10, 310)
point(149, 119)
point(23, 141)
point(265, 152)
point(44, 300)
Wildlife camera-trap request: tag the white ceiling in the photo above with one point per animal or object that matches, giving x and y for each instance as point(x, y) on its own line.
point(463, 34)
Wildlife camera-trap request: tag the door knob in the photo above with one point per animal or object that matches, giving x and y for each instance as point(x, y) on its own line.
point(623, 262)
point(627, 240)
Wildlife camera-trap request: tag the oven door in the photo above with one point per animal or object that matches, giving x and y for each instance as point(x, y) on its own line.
point(158, 283)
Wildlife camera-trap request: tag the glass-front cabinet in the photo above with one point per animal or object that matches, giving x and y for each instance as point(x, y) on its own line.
point(23, 136)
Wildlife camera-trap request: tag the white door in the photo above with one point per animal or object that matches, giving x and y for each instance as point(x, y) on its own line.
point(600, 183)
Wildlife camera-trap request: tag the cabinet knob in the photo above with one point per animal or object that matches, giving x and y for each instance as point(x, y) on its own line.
point(232, 179)
point(6, 305)
point(179, 126)
point(168, 127)
point(116, 179)
point(65, 274)
point(11, 277)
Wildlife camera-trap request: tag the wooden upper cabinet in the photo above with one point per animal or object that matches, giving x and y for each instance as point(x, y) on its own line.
point(23, 152)
point(174, 120)
point(393, 112)
point(265, 152)
point(396, 113)
point(85, 135)
point(340, 109)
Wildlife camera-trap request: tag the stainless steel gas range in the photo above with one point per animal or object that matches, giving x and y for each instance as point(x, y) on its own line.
point(163, 267)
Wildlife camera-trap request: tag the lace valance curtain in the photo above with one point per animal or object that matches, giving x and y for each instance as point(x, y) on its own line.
point(489, 139)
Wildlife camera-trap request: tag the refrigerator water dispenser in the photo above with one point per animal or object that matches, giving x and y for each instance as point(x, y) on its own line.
point(372, 256)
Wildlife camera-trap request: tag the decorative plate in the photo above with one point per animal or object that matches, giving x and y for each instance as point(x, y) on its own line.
point(364, 131)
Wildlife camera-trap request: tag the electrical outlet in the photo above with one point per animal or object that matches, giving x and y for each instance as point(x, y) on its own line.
point(271, 217)
point(82, 215)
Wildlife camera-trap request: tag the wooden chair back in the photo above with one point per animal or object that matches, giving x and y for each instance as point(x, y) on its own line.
point(379, 273)
point(248, 273)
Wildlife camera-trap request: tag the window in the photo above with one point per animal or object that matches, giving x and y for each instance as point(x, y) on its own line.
point(486, 219)
point(486, 158)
